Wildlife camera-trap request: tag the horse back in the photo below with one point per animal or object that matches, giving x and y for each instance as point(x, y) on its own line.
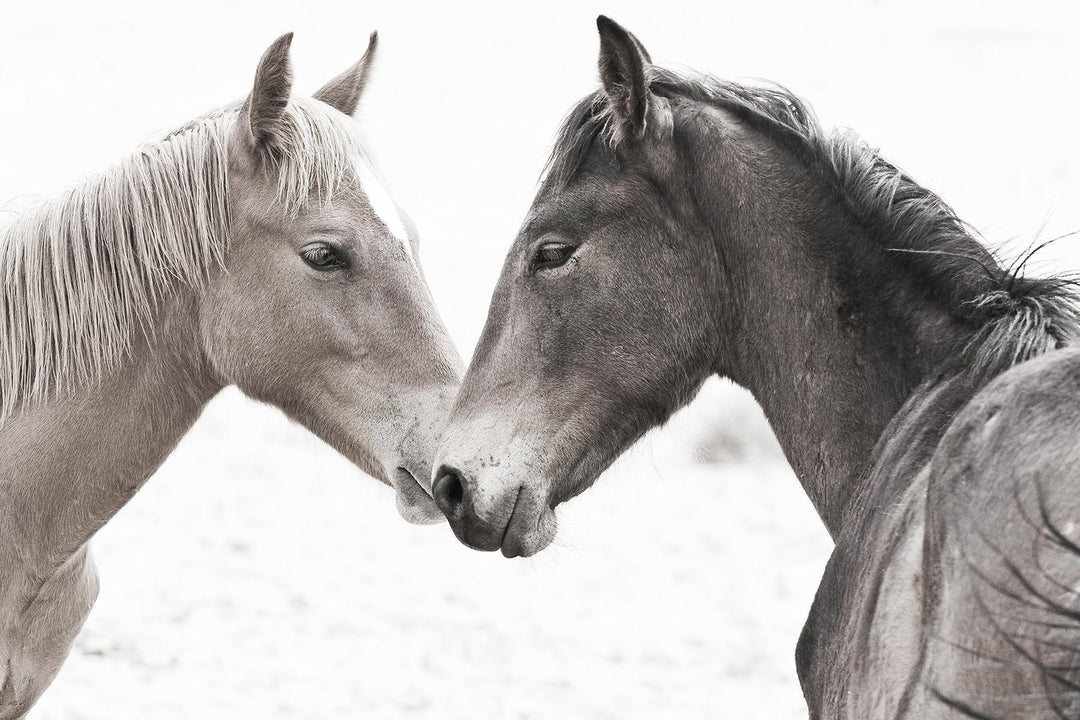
point(1001, 561)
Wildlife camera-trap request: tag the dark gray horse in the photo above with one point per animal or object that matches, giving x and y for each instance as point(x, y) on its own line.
point(923, 393)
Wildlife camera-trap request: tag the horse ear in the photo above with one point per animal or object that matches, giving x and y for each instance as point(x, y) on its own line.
point(265, 106)
point(622, 71)
point(344, 91)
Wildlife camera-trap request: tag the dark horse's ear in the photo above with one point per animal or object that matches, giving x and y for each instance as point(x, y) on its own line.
point(344, 91)
point(622, 70)
point(265, 106)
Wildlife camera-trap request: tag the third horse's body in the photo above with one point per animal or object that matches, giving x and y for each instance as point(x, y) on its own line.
point(953, 590)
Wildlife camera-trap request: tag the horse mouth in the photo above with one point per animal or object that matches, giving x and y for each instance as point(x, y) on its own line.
point(510, 551)
point(532, 540)
point(529, 529)
point(509, 536)
point(414, 503)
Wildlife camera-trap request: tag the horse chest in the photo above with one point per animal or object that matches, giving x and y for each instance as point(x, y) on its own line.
point(860, 647)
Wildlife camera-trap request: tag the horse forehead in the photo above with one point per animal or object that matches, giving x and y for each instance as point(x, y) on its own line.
point(571, 209)
point(382, 204)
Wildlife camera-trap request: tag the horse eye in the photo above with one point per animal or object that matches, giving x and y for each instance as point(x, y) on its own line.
point(322, 257)
point(551, 255)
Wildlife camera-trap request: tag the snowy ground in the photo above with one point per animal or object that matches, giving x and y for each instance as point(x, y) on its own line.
point(258, 575)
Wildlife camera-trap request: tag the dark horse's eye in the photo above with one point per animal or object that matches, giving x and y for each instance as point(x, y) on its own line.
point(550, 255)
point(322, 257)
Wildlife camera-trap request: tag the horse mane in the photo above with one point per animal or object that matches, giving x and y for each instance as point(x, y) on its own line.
point(84, 271)
point(1014, 317)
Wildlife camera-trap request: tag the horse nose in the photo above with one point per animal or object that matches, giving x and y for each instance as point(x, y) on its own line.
point(449, 492)
point(456, 495)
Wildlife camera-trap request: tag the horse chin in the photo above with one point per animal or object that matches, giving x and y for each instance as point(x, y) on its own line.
point(527, 534)
point(424, 513)
point(413, 502)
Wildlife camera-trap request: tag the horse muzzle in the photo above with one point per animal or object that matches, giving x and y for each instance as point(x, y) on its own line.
point(493, 516)
point(413, 502)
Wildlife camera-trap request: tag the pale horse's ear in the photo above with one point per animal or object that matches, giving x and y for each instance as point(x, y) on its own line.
point(344, 91)
point(623, 60)
point(264, 108)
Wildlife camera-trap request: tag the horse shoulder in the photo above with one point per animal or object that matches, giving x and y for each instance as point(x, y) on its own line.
point(861, 642)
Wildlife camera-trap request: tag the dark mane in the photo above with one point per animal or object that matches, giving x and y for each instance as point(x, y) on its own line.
point(1016, 317)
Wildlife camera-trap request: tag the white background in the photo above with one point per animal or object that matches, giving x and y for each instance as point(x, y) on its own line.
point(259, 575)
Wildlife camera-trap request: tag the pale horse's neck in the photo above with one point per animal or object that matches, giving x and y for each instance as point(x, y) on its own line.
point(68, 465)
point(829, 366)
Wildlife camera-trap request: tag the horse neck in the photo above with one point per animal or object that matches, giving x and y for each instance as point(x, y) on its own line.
point(70, 464)
point(829, 363)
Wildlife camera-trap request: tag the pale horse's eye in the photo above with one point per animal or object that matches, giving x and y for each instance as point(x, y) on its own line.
point(322, 257)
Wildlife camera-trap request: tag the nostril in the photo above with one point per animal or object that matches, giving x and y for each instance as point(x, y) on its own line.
point(449, 491)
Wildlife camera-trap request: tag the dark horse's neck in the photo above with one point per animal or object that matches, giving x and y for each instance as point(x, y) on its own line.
point(829, 328)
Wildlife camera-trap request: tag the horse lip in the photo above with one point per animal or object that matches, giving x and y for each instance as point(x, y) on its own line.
point(404, 480)
point(413, 501)
point(482, 535)
point(511, 552)
point(481, 541)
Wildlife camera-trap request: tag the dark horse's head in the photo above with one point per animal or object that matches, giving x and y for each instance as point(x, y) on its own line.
point(596, 331)
point(686, 227)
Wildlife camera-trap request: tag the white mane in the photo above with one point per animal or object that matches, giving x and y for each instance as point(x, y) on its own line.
point(83, 271)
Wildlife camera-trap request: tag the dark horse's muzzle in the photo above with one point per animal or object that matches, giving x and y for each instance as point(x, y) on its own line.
point(452, 494)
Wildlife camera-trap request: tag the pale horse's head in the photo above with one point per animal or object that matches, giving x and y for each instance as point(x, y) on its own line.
point(321, 307)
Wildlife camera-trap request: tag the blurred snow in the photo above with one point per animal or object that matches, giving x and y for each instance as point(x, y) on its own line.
point(259, 575)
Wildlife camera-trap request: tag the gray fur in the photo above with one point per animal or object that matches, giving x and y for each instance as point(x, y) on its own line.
point(85, 271)
point(131, 300)
point(924, 393)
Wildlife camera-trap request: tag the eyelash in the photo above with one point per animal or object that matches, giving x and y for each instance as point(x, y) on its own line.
point(557, 255)
point(322, 258)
